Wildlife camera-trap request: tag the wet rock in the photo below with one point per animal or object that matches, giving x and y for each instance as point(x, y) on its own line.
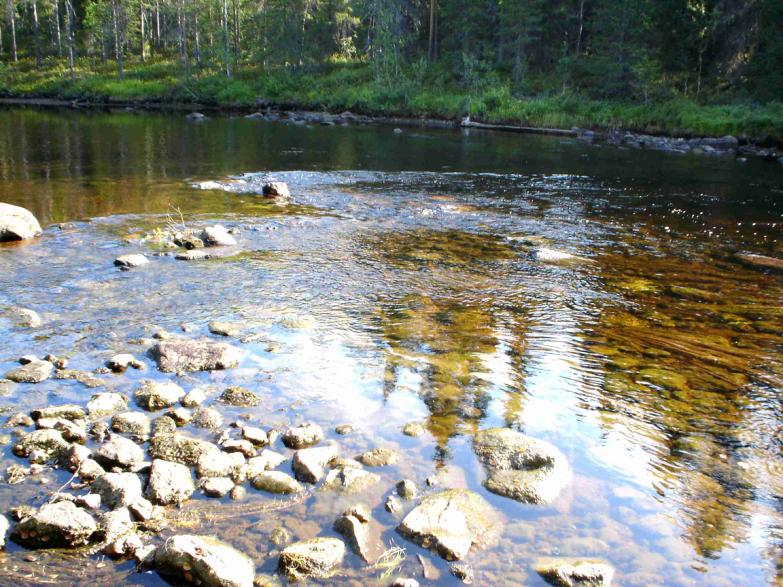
point(106, 404)
point(463, 572)
point(308, 463)
point(120, 363)
point(414, 429)
point(115, 524)
point(144, 510)
point(276, 482)
point(208, 418)
point(760, 261)
point(177, 448)
point(71, 431)
point(205, 561)
point(522, 468)
point(275, 189)
point(221, 464)
point(255, 435)
point(378, 457)
point(156, 395)
point(349, 480)
point(217, 236)
point(34, 372)
point(196, 117)
point(27, 359)
point(406, 489)
point(163, 425)
point(266, 461)
point(124, 546)
point(55, 525)
point(404, 582)
point(65, 411)
point(181, 416)
point(225, 328)
point(194, 398)
point(280, 536)
point(303, 436)
point(317, 558)
point(74, 456)
point(89, 470)
point(134, 260)
point(48, 444)
point(217, 486)
point(85, 378)
point(121, 452)
point(17, 223)
point(570, 572)
point(244, 447)
point(16, 474)
point(354, 524)
point(544, 255)
point(452, 523)
point(194, 355)
point(19, 419)
point(238, 493)
point(24, 317)
point(170, 483)
point(58, 362)
point(4, 526)
point(240, 397)
point(134, 424)
point(192, 255)
point(393, 505)
point(344, 429)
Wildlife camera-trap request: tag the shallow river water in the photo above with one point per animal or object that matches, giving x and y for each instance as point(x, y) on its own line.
point(398, 285)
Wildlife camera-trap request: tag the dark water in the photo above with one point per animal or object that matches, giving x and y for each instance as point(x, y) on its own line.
point(397, 285)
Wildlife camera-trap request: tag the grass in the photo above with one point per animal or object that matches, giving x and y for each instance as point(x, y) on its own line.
point(355, 87)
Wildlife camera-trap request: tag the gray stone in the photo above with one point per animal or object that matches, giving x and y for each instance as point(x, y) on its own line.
point(378, 457)
point(349, 480)
point(89, 470)
point(545, 255)
point(241, 446)
point(276, 482)
point(221, 464)
point(393, 505)
point(303, 436)
point(66, 411)
point(463, 572)
point(404, 582)
point(205, 561)
point(17, 223)
point(115, 524)
point(317, 558)
point(344, 429)
point(19, 419)
point(157, 395)
point(163, 425)
point(24, 317)
point(34, 372)
point(522, 468)
point(194, 398)
point(452, 523)
point(106, 404)
point(308, 463)
point(135, 424)
point(55, 525)
point(120, 363)
point(178, 448)
point(4, 526)
point(192, 255)
point(275, 189)
point(71, 431)
point(217, 486)
point(133, 260)
point(414, 429)
point(170, 483)
point(217, 236)
point(239, 396)
point(406, 489)
point(49, 443)
point(265, 461)
point(225, 328)
point(354, 524)
point(194, 355)
point(208, 418)
point(255, 435)
point(121, 452)
point(571, 572)
point(181, 416)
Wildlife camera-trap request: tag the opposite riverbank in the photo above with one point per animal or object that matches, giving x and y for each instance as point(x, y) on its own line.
point(355, 88)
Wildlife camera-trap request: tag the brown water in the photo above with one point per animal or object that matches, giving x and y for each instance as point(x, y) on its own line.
point(398, 286)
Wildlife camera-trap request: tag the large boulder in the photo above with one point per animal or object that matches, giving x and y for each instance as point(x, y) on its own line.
point(204, 561)
point(175, 356)
point(571, 572)
point(451, 522)
point(157, 395)
point(55, 525)
point(170, 483)
point(317, 558)
point(17, 223)
point(522, 468)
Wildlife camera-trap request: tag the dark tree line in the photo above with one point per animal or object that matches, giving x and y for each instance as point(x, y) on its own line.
point(607, 48)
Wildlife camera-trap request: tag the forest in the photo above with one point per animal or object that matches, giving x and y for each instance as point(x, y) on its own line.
point(708, 66)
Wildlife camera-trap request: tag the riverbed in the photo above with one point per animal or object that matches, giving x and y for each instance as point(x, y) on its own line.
point(403, 281)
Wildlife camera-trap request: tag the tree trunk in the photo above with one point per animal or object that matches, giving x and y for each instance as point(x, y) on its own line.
point(36, 34)
point(227, 38)
point(69, 34)
point(518, 59)
point(581, 27)
point(432, 52)
point(57, 37)
point(141, 31)
point(196, 37)
point(236, 33)
point(118, 41)
point(11, 10)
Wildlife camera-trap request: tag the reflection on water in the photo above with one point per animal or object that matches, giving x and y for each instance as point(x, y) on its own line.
point(398, 286)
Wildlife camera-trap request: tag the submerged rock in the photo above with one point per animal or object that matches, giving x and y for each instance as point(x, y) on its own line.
point(17, 223)
point(24, 317)
point(170, 483)
point(354, 524)
point(303, 436)
point(317, 558)
point(106, 404)
point(192, 255)
point(156, 395)
point(406, 489)
point(350, 480)
point(133, 260)
point(378, 457)
point(452, 523)
point(275, 189)
point(204, 560)
point(55, 525)
point(414, 429)
point(522, 468)
point(571, 572)
point(276, 482)
point(194, 355)
point(308, 463)
point(240, 397)
point(33, 372)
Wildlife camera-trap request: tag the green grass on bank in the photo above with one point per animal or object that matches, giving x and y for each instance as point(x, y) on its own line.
point(355, 87)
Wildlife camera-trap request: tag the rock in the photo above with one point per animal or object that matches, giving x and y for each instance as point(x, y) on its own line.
point(19, 419)
point(203, 560)
point(344, 429)
point(217, 486)
point(570, 572)
point(17, 223)
point(4, 525)
point(34, 372)
point(760, 261)
point(74, 456)
point(156, 395)
point(354, 524)
point(181, 416)
point(238, 493)
point(266, 461)
point(91, 501)
point(406, 489)
point(121, 452)
point(308, 463)
point(414, 429)
point(463, 572)
point(255, 435)
point(48, 444)
point(241, 446)
point(404, 582)
point(106, 404)
point(55, 525)
point(163, 425)
point(317, 558)
point(192, 255)
point(65, 411)
point(135, 424)
point(221, 464)
point(520, 467)
point(90, 470)
point(545, 255)
point(225, 328)
point(208, 418)
point(85, 378)
point(196, 117)
point(276, 482)
point(194, 398)
point(275, 189)
point(217, 236)
point(27, 359)
point(124, 546)
point(145, 556)
point(71, 431)
point(58, 362)
point(180, 449)
point(240, 397)
point(134, 260)
point(25, 318)
point(303, 436)
point(393, 505)
point(350, 480)
point(143, 509)
point(116, 524)
point(452, 523)
point(195, 355)
point(120, 363)
point(7, 387)
point(189, 240)
point(170, 483)
point(378, 457)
